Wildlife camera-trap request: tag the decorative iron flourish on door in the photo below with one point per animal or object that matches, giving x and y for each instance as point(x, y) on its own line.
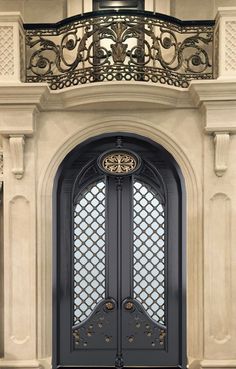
point(119, 263)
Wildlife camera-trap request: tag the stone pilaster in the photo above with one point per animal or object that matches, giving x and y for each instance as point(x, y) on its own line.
point(17, 127)
point(216, 101)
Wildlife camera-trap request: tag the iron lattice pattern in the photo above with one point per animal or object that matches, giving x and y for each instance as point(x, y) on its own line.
point(149, 253)
point(89, 250)
point(119, 46)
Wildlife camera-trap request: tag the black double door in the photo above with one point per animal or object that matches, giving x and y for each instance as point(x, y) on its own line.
point(118, 271)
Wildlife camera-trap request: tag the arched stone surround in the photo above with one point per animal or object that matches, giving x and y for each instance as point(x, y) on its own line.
point(193, 238)
point(196, 126)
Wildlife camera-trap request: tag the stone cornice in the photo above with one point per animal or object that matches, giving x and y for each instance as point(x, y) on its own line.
point(25, 94)
point(213, 90)
point(76, 98)
point(226, 11)
point(9, 17)
point(138, 95)
point(100, 94)
point(217, 102)
point(132, 96)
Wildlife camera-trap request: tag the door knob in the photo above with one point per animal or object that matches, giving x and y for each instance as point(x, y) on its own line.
point(110, 305)
point(128, 305)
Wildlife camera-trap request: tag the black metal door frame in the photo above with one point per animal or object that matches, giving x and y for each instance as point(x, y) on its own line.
point(56, 276)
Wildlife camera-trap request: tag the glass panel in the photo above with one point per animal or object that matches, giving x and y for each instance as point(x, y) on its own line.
point(89, 250)
point(149, 251)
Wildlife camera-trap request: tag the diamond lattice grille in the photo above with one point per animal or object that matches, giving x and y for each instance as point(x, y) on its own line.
point(149, 255)
point(7, 51)
point(89, 250)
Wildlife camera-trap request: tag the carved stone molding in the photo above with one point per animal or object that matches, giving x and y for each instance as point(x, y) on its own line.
point(221, 141)
point(218, 364)
point(17, 154)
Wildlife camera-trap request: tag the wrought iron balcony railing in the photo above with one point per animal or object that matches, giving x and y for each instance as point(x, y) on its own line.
point(123, 45)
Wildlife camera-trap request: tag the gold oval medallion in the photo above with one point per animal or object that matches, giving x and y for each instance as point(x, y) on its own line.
point(119, 162)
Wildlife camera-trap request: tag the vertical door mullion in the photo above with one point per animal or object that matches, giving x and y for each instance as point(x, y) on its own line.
point(119, 359)
point(127, 238)
point(111, 239)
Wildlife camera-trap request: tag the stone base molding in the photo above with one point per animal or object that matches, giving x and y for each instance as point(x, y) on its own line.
point(20, 364)
point(218, 364)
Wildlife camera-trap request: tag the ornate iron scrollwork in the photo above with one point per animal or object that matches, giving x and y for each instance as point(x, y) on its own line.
point(119, 46)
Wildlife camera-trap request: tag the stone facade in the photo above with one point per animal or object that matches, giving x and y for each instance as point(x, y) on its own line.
point(39, 127)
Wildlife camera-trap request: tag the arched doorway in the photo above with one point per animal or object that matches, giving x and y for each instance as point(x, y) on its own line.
point(119, 270)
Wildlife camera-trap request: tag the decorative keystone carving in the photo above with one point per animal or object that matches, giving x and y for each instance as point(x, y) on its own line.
point(17, 154)
point(221, 141)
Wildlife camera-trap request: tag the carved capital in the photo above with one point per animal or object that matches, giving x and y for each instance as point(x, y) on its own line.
point(221, 141)
point(17, 154)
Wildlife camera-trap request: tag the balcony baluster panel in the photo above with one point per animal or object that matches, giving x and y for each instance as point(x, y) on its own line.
point(124, 45)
